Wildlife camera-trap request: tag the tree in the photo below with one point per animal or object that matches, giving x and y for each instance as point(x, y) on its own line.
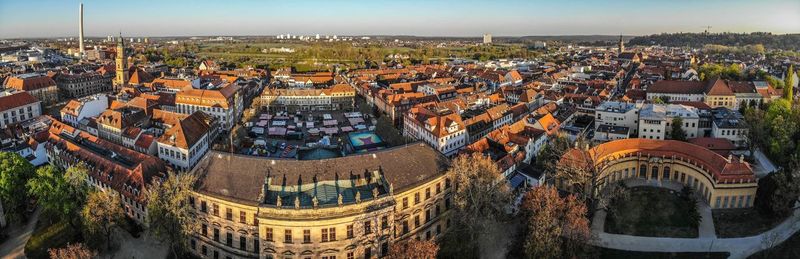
point(72, 251)
point(580, 172)
point(170, 218)
point(788, 90)
point(556, 227)
point(677, 132)
point(480, 196)
point(413, 249)
point(102, 214)
point(55, 194)
point(14, 174)
point(778, 192)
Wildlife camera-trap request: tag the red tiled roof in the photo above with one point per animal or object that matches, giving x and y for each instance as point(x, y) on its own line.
point(16, 100)
point(722, 170)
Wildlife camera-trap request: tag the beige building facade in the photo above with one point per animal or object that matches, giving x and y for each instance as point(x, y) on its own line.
point(349, 207)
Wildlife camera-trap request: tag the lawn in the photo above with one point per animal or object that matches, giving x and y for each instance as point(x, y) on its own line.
point(788, 249)
point(742, 222)
point(50, 232)
point(653, 212)
point(613, 254)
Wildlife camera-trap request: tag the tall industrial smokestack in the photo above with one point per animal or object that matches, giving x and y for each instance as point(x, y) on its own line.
point(80, 37)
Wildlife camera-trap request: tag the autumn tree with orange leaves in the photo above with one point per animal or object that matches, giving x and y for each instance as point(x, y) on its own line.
point(556, 227)
point(414, 249)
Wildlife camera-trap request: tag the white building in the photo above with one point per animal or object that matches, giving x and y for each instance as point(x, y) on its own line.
point(439, 127)
point(183, 144)
point(655, 120)
point(18, 106)
point(729, 124)
point(487, 39)
point(618, 114)
point(89, 106)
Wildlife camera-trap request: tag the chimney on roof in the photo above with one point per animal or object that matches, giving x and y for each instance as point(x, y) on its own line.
point(741, 158)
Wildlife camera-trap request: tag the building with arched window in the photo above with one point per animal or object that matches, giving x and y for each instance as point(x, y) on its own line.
point(723, 182)
point(348, 207)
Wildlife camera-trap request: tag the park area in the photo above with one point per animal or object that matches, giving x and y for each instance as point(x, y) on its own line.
point(652, 212)
point(744, 222)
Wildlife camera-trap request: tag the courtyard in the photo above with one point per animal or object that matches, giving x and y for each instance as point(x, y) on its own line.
point(653, 212)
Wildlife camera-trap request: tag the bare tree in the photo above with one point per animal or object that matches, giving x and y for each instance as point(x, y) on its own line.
point(580, 171)
point(481, 195)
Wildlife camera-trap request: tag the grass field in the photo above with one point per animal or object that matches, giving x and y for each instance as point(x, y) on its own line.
point(742, 222)
point(653, 212)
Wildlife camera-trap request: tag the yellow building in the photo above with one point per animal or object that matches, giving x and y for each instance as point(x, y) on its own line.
point(722, 182)
point(348, 207)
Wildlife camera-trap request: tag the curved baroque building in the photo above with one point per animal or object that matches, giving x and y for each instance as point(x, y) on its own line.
point(723, 182)
point(348, 207)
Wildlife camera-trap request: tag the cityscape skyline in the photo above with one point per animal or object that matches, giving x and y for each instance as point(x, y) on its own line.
point(441, 18)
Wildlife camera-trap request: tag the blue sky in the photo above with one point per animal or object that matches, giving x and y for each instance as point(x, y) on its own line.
point(52, 18)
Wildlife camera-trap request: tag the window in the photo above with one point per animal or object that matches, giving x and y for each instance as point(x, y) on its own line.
point(665, 174)
point(204, 229)
point(654, 173)
point(350, 255)
point(332, 234)
point(437, 210)
point(416, 221)
point(216, 234)
point(287, 236)
point(405, 202)
point(229, 239)
point(215, 210)
point(203, 206)
point(324, 235)
point(307, 236)
point(367, 252)
point(242, 217)
point(642, 171)
point(446, 183)
point(268, 234)
point(255, 219)
point(349, 231)
point(204, 250)
point(405, 226)
point(427, 215)
point(416, 198)
point(256, 245)
point(367, 227)
point(243, 242)
point(385, 222)
point(427, 193)
point(385, 249)
point(438, 188)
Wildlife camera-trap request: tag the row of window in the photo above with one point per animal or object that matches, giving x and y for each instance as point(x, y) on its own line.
point(326, 234)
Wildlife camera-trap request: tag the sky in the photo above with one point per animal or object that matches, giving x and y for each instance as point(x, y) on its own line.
point(153, 18)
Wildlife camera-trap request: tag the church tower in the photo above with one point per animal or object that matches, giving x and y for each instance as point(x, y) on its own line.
point(121, 79)
point(621, 44)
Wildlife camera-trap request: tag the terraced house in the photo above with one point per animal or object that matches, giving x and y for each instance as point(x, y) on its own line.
point(349, 207)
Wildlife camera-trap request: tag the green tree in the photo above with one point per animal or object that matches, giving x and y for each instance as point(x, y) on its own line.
point(14, 174)
point(788, 89)
point(58, 192)
point(677, 132)
point(101, 215)
point(168, 216)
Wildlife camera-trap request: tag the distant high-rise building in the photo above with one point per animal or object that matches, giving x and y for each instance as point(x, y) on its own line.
point(487, 39)
point(80, 29)
point(110, 38)
point(621, 44)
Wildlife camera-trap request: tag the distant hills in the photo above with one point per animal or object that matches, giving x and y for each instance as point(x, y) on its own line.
point(769, 40)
